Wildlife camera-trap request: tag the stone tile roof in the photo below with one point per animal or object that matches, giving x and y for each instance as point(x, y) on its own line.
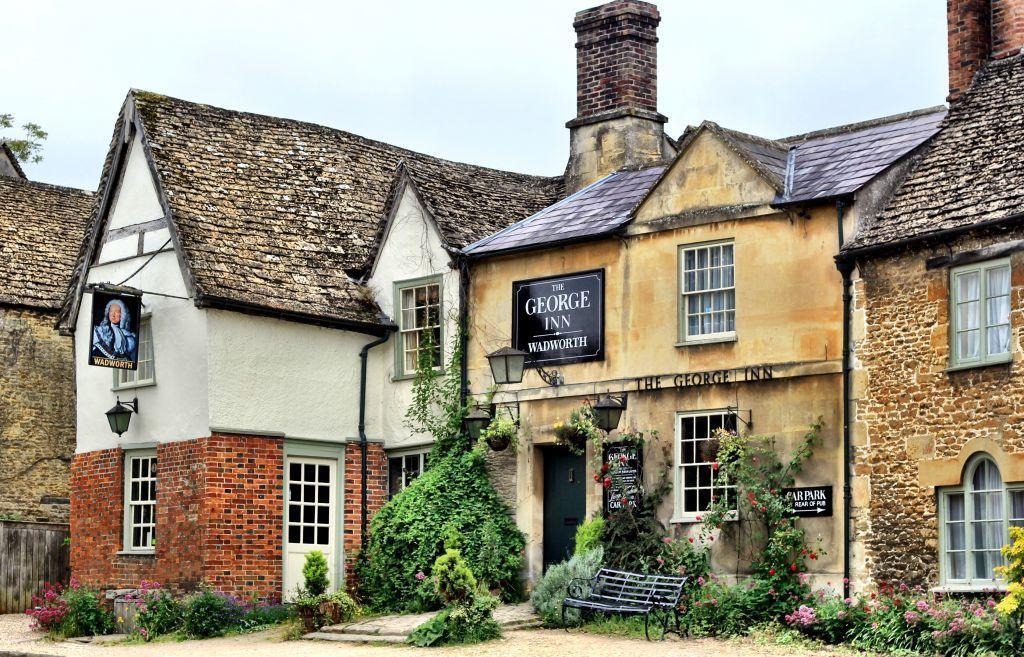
point(803, 168)
point(972, 172)
point(13, 159)
point(280, 214)
point(598, 209)
point(841, 160)
point(41, 228)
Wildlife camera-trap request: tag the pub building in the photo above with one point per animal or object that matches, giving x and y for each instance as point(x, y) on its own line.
point(691, 279)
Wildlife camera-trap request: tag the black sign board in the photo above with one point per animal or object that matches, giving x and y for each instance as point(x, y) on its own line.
point(810, 501)
point(559, 319)
point(625, 470)
point(114, 338)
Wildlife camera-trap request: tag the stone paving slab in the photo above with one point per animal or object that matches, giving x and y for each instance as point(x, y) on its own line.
point(397, 627)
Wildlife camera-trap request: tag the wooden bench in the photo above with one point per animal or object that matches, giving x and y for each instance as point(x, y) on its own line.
point(615, 592)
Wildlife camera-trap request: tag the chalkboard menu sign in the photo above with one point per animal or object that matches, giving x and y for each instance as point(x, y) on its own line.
point(625, 469)
point(559, 319)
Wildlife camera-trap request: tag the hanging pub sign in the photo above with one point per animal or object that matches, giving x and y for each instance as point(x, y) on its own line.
point(114, 338)
point(559, 319)
point(623, 474)
point(810, 501)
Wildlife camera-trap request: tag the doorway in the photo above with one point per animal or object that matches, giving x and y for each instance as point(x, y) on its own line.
point(565, 502)
point(309, 517)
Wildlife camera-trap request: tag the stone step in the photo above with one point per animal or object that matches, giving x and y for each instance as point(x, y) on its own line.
point(354, 638)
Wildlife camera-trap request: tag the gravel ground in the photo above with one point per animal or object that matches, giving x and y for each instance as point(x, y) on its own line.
point(16, 638)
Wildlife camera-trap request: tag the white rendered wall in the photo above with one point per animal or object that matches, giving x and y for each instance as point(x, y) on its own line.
point(412, 249)
point(175, 408)
point(137, 200)
point(274, 376)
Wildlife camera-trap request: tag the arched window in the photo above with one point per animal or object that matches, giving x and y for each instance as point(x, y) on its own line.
point(976, 517)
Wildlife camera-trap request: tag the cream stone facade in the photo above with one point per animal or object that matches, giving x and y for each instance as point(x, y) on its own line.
point(788, 319)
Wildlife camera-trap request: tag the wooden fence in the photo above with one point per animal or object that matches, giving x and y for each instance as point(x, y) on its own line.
point(31, 553)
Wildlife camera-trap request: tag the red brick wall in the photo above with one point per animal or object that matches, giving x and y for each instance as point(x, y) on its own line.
point(616, 58)
point(376, 496)
point(219, 516)
point(978, 30)
point(244, 514)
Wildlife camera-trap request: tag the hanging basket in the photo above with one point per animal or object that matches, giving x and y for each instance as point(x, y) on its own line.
point(499, 443)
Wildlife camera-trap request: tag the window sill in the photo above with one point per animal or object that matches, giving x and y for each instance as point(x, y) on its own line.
point(691, 519)
point(709, 340)
point(988, 587)
point(136, 553)
point(973, 366)
point(133, 386)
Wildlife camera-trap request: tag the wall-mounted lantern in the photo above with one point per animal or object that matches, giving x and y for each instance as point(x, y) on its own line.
point(508, 364)
point(121, 415)
point(608, 411)
point(476, 421)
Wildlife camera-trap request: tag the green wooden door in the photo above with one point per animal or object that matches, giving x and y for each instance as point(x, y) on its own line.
point(565, 503)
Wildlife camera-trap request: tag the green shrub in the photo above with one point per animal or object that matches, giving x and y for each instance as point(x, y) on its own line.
point(261, 617)
point(460, 624)
point(589, 535)
point(553, 587)
point(86, 615)
point(451, 505)
point(314, 572)
point(157, 610)
point(719, 609)
point(208, 614)
point(454, 579)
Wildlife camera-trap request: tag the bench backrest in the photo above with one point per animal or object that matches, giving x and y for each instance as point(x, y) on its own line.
point(637, 589)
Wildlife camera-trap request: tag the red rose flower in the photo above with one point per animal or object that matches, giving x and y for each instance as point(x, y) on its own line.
point(771, 572)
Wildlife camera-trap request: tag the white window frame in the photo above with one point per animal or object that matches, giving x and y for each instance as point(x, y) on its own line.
point(984, 358)
point(404, 454)
point(679, 515)
point(964, 488)
point(127, 379)
point(400, 351)
point(684, 295)
point(128, 519)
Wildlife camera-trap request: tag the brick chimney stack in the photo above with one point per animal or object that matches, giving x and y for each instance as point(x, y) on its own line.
point(980, 30)
point(617, 122)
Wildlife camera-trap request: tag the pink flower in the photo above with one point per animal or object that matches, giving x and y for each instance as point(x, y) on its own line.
point(667, 539)
point(421, 576)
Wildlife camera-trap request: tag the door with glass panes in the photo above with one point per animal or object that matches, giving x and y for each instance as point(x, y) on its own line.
point(310, 516)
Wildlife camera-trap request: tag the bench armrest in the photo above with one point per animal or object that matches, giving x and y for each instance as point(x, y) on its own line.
point(579, 588)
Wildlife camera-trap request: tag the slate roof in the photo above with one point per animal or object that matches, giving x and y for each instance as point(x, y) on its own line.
point(841, 160)
point(803, 168)
point(279, 214)
point(41, 228)
point(598, 209)
point(972, 172)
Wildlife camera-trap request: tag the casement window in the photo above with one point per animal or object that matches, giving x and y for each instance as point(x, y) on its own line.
point(980, 314)
point(403, 469)
point(975, 522)
point(419, 323)
point(140, 501)
point(145, 375)
point(309, 503)
point(697, 481)
point(707, 288)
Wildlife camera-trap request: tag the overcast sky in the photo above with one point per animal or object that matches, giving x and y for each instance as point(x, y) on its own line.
point(491, 83)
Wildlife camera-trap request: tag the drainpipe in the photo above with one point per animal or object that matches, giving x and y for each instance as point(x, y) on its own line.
point(364, 474)
point(464, 329)
point(846, 269)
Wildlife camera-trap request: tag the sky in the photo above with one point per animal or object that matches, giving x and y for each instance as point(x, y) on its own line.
point(491, 83)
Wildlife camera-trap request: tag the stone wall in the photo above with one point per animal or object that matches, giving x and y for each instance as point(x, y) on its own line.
point(915, 423)
point(37, 416)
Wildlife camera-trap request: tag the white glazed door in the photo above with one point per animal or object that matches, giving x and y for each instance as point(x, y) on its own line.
point(310, 512)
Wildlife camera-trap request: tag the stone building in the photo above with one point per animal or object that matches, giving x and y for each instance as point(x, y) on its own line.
point(694, 276)
point(289, 274)
point(938, 320)
point(41, 227)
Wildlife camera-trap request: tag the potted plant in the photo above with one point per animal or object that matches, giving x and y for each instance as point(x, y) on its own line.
point(500, 433)
point(580, 428)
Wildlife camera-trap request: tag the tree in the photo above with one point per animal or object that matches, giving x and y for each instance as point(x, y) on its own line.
point(30, 147)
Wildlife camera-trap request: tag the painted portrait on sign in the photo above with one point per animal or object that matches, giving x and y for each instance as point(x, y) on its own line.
point(115, 330)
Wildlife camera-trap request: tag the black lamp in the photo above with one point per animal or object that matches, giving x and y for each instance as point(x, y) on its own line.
point(476, 421)
point(507, 365)
point(121, 415)
point(608, 411)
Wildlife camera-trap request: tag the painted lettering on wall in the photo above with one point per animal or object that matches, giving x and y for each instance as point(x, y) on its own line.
point(714, 377)
point(559, 319)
